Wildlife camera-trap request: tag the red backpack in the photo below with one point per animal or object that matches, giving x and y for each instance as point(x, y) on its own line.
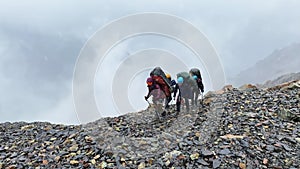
point(162, 84)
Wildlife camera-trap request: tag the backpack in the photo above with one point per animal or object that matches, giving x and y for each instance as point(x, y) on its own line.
point(188, 79)
point(159, 72)
point(195, 71)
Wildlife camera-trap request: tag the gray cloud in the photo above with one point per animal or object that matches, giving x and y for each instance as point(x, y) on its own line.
point(36, 69)
point(40, 42)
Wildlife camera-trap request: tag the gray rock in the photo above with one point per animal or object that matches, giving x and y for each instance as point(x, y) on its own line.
point(206, 153)
point(216, 163)
point(225, 152)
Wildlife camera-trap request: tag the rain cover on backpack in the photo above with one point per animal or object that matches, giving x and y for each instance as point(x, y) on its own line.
point(187, 79)
point(195, 71)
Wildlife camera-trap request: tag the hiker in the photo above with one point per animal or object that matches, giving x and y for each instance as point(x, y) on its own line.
point(178, 99)
point(176, 89)
point(172, 82)
point(154, 90)
point(187, 87)
point(195, 73)
point(159, 77)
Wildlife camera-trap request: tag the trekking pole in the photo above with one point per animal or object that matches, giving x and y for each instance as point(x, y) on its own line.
point(148, 103)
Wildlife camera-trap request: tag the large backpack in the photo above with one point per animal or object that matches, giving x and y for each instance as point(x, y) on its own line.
point(195, 71)
point(187, 79)
point(159, 72)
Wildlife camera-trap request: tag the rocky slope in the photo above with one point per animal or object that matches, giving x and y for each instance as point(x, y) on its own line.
point(282, 79)
point(236, 128)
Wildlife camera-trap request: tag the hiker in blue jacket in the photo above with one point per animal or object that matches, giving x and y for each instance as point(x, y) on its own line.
point(176, 90)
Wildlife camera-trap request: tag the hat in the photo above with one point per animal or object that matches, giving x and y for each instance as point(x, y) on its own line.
point(149, 81)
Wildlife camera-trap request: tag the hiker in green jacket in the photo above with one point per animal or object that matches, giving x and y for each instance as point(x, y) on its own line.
point(188, 87)
point(195, 73)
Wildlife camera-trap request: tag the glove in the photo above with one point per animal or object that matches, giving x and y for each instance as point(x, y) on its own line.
point(201, 89)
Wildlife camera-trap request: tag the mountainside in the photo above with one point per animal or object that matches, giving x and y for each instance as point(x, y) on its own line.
point(282, 79)
point(236, 128)
point(280, 62)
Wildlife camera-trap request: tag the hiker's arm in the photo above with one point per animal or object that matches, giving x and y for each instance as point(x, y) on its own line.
point(148, 95)
point(201, 87)
point(175, 90)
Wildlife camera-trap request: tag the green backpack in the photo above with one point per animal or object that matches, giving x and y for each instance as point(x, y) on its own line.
point(187, 78)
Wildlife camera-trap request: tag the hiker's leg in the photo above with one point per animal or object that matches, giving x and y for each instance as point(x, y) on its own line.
point(192, 96)
point(154, 101)
point(167, 100)
point(192, 100)
point(166, 103)
point(178, 104)
point(196, 97)
point(187, 104)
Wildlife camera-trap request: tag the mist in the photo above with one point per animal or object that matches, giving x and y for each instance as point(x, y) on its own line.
point(40, 42)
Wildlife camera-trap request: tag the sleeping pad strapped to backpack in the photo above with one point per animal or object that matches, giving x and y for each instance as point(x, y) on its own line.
point(160, 78)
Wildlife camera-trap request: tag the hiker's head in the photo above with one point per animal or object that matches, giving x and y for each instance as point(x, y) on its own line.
point(168, 76)
point(149, 81)
point(180, 80)
point(195, 77)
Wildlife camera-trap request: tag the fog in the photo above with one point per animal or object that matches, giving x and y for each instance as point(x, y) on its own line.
point(40, 43)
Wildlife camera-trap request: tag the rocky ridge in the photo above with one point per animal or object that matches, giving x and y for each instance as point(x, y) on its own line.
point(280, 80)
point(242, 128)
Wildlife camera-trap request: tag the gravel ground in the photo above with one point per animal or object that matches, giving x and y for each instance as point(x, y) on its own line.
point(235, 128)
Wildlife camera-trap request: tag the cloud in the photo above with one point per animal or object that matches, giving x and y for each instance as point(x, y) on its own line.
point(63, 112)
point(40, 42)
point(34, 70)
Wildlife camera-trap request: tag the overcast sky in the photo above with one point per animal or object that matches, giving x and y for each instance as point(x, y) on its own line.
point(41, 40)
